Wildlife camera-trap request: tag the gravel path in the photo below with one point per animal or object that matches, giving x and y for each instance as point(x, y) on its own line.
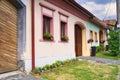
point(100, 60)
point(20, 77)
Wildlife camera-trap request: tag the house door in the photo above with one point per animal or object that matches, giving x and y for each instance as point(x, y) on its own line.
point(8, 36)
point(78, 40)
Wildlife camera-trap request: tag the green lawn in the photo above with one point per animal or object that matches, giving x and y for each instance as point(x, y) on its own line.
point(105, 55)
point(84, 70)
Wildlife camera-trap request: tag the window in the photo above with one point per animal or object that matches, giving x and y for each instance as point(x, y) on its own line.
point(96, 40)
point(63, 27)
point(91, 34)
point(63, 35)
point(47, 28)
point(46, 24)
point(47, 18)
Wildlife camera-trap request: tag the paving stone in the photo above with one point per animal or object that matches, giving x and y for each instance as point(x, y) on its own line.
point(100, 60)
point(20, 77)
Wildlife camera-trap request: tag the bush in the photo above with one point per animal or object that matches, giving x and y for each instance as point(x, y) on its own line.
point(100, 48)
point(74, 59)
point(66, 61)
point(36, 70)
point(47, 66)
point(58, 63)
point(114, 43)
point(53, 65)
point(44, 69)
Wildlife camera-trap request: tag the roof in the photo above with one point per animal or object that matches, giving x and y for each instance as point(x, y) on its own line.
point(92, 17)
point(110, 23)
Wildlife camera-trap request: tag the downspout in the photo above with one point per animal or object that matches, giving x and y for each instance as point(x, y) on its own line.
point(32, 33)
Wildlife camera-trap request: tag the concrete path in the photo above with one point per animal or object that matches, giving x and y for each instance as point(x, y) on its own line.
point(17, 75)
point(100, 60)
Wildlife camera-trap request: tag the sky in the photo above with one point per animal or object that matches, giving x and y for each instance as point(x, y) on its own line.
point(103, 9)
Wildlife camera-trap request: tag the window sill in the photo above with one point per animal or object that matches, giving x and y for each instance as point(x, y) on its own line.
point(63, 41)
point(45, 40)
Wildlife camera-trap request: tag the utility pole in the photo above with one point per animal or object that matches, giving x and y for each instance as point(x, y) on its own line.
point(118, 17)
point(118, 13)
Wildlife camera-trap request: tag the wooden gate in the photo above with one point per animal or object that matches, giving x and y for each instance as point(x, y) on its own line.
point(8, 36)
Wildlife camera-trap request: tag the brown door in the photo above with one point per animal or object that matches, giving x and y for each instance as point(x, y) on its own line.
point(8, 36)
point(78, 40)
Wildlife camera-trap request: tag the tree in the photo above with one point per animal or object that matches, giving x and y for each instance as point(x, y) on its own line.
point(114, 43)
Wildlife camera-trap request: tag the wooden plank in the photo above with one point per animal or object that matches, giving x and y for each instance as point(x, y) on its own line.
point(8, 36)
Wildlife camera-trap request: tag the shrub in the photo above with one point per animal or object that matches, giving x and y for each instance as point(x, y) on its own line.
point(114, 43)
point(74, 59)
point(47, 66)
point(40, 69)
point(62, 63)
point(66, 61)
point(36, 70)
point(100, 48)
point(58, 63)
point(43, 69)
point(53, 65)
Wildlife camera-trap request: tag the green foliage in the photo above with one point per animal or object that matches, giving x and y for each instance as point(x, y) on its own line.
point(64, 38)
point(100, 48)
point(44, 69)
point(74, 59)
point(114, 43)
point(36, 70)
point(58, 63)
point(47, 35)
point(66, 61)
point(47, 66)
point(54, 65)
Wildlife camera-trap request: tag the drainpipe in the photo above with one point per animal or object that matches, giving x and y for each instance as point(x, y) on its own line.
point(32, 33)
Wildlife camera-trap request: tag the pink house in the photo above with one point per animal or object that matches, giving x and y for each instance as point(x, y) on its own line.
point(55, 30)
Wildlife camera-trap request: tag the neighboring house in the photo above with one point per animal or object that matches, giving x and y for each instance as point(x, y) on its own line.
point(111, 25)
point(53, 30)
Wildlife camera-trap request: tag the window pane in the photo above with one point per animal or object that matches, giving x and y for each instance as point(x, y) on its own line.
point(95, 36)
point(46, 24)
point(91, 34)
point(63, 28)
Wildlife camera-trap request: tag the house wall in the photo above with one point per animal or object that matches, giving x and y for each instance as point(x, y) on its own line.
point(47, 52)
point(93, 28)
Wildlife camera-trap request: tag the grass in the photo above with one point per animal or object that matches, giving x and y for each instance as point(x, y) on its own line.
point(84, 70)
point(107, 56)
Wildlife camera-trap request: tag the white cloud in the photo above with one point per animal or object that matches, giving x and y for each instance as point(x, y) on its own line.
point(100, 10)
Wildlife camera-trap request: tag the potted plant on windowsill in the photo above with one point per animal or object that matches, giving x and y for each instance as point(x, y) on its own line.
point(102, 41)
point(64, 38)
point(96, 40)
point(90, 40)
point(47, 36)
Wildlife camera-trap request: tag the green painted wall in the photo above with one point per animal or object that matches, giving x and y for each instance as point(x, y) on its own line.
point(94, 28)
